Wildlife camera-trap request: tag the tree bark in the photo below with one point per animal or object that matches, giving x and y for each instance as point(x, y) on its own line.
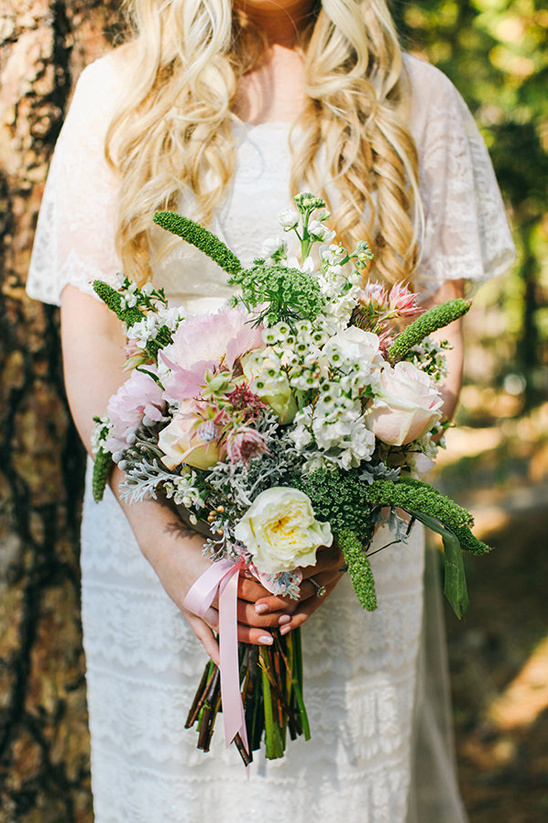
point(44, 743)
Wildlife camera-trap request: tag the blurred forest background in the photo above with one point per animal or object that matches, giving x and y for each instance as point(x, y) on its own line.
point(496, 52)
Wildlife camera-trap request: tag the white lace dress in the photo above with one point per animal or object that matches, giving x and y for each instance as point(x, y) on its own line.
point(143, 661)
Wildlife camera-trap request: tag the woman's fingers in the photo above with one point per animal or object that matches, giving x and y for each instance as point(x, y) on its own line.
point(205, 635)
point(205, 626)
point(327, 560)
point(250, 589)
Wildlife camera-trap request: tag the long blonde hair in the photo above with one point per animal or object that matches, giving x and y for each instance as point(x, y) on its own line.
point(176, 125)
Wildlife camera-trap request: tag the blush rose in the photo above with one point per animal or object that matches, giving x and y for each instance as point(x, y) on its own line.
point(405, 407)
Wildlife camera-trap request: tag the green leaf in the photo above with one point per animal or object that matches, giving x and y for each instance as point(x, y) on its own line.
point(454, 587)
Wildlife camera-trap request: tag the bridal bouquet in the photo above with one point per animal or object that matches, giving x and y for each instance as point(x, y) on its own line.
point(298, 416)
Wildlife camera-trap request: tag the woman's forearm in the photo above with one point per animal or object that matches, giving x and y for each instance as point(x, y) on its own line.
point(93, 357)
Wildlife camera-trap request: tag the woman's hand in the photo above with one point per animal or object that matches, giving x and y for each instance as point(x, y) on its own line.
point(291, 613)
point(175, 552)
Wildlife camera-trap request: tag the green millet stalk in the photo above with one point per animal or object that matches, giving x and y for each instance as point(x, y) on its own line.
point(435, 318)
point(197, 236)
point(113, 300)
point(416, 497)
point(101, 471)
point(359, 568)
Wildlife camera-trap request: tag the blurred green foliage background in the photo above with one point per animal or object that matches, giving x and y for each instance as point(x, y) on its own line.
point(496, 53)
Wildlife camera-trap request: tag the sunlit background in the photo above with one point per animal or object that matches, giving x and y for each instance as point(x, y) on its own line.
point(496, 52)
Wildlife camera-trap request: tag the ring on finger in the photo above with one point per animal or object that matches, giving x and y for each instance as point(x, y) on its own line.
point(321, 591)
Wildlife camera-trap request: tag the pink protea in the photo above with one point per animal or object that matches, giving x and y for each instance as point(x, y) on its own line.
point(374, 295)
point(135, 355)
point(402, 301)
point(384, 312)
point(244, 444)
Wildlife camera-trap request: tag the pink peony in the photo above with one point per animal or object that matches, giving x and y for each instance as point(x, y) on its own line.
point(201, 343)
point(406, 407)
point(140, 395)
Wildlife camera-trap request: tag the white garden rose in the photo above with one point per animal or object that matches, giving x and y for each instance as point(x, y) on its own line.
point(281, 532)
point(406, 407)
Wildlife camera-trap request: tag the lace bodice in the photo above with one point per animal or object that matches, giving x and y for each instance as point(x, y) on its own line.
point(466, 232)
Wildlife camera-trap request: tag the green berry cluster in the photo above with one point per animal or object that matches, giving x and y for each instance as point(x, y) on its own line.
point(416, 497)
point(200, 237)
point(289, 294)
point(435, 318)
point(342, 499)
point(101, 471)
point(359, 569)
point(113, 300)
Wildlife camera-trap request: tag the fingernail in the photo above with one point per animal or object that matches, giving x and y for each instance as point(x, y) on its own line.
point(261, 607)
point(285, 618)
point(285, 629)
point(267, 639)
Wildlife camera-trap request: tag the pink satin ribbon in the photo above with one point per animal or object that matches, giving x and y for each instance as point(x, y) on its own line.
point(223, 576)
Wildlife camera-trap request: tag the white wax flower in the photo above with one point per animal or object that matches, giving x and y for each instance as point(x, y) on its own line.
point(281, 532)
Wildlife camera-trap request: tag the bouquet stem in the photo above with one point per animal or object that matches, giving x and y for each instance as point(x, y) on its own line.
point(271, 685)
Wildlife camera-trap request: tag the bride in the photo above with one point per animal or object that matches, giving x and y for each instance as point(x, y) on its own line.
point(223, 112)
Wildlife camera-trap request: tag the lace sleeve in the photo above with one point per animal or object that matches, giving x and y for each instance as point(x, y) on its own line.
point(74, 241)
point(466, 230)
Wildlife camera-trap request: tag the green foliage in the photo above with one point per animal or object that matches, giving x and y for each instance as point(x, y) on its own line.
point(289, 294)
point(419, 498)
point(359, 569)
point(101, 471)
point(435, 318)
point(113, 300)
point(203, 239)
point(342, 499)
point(496, 53)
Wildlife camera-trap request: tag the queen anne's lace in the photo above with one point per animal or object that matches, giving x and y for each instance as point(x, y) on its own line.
point(143, 660)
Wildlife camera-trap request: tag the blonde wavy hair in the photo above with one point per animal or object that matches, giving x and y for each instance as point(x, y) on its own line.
point(176, 125)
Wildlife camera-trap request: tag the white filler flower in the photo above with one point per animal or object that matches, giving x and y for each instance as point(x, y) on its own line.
point(281, 532)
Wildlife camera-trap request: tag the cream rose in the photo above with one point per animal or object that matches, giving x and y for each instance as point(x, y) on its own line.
point(262, 369)
point(189, 439)
point(406, 407)
point(281, 532)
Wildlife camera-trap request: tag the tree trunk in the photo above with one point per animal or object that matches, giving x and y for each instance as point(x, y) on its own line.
point(44, 744)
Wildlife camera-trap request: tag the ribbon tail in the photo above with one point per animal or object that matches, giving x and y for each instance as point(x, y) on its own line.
point(233, 710)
